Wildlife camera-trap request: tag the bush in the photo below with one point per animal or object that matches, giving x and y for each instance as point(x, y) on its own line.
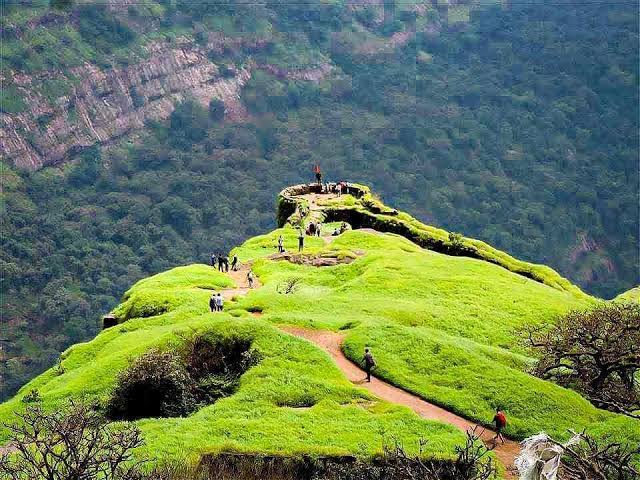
point(175, 384)
point(155, 385)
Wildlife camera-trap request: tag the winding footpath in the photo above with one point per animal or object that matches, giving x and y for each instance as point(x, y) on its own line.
point(331, 342)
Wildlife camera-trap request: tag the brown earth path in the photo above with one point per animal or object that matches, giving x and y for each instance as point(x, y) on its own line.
point(239, 277)
point(331, 342)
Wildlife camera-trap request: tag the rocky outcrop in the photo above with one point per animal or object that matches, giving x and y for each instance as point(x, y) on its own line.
point(106, 104)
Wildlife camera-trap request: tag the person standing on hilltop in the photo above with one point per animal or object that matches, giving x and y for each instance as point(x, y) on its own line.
point(213, 260)
point(220, 262)
point(500, 420)
point(318, 174)
point(369, 363)
point(234, 263)
point(300, 240)
point(225, 263)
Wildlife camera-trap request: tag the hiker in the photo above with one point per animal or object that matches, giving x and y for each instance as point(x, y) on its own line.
point(339, 189)
point(220, 262)
point(225, 264)
point(213, 260)
point(500, 419)
point(250, 278)
point(234, 263)
point(212, 302)
point(318, 173)
point(280, 244)
point(219, 302)
point(318, 229)
point(369, 363)
point(300, 240)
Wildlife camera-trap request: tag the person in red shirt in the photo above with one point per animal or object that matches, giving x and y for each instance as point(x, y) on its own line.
point(500, 420)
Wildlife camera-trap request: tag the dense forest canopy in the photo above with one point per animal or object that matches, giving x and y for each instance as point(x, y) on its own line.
point(514, 124)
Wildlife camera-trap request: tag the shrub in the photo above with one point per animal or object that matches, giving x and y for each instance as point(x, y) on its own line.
point(155, 385)
point(74, 442)
point(174, 384)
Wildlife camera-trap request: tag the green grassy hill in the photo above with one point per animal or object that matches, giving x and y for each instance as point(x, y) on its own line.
point(441, 326)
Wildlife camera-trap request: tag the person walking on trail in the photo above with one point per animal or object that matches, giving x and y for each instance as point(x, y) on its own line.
point(220, 302)
point(500, 420)
point(212, 302)
point(280, 244)
point(213, 260)
point(225, 263)
point(369, 363)
point(220, 263)
point(250, 278)
point(300, 240)
point(318, 229)
point(234, 263)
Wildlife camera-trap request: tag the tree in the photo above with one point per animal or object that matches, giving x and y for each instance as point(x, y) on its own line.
point(70, 443)
point(216, 110)
point(599, 460)
point(596, 352)
point(188, 123)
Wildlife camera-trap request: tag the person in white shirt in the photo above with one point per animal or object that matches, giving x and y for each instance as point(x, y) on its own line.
point(220, 302)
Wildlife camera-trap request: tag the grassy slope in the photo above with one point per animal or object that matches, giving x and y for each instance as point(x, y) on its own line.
point(259, 417)
point(443, 327)
point(632, 295)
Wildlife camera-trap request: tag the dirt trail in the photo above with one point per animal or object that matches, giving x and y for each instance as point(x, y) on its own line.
point(331, 342)
point(240, 279)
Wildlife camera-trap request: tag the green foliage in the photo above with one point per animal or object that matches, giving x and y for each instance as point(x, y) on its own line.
point(341, 418)
point(188, 124)
point(99, 28)
point(11, 100)
point(506, 130)
point(155, 385)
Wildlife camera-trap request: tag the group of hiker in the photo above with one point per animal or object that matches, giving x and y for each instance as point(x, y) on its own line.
point(222, 262)
point(330, 187)
point(216, 302)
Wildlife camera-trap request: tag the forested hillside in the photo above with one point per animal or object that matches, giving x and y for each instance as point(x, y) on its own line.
point(515, 124)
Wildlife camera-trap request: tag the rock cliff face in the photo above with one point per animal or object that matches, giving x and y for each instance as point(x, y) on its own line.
point(106, 104)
